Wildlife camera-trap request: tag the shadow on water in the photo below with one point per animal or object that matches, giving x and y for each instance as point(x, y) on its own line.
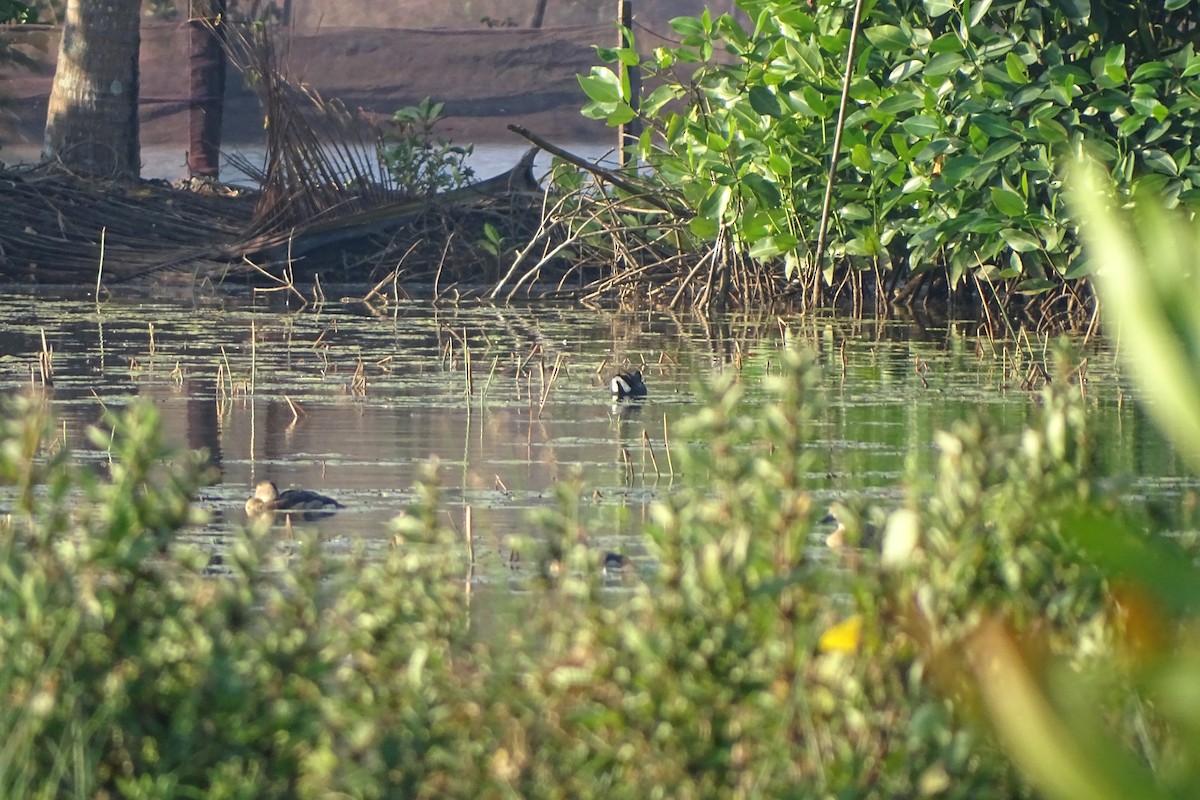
point(511, 401)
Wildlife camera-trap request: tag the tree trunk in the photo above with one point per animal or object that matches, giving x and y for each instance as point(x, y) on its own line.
point(539, 14)
point(92, 124)
point(207, 104)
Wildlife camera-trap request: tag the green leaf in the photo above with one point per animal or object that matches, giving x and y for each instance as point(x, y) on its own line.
point(1114, 64)
point(977, 12)
point(770, 246)
point(653, 102)
point(1008, 202)
point(816, 101)
point(1051, 131)
point(855, 212)
point(806, 60)
point(905, 70)
point(1130, 124)
point(864, 90)
point(764, 101)
point(687, 26)
point(715, 142)
point(1032, 286)
point(943, 64)
point(763, 189)
point(901, 102)
point(601, 85)
point(946, 43)
point(1017, 71)
point(955, 169)
point(860, 157)
point(704, 227)
point(922, 126)
point(888, 38)
point(715, 203)
point(1151, 71)
point(1020, 241)
point(1000, 149)
point(1160, 161)
point(1028, 94)
point(994, 125)
point(621, 113)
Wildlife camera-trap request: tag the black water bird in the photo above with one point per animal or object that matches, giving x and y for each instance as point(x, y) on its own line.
point(628, 385)
point(268, 498)
point(616, 563)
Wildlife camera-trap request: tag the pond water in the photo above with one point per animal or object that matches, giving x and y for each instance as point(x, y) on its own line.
point(353, 402)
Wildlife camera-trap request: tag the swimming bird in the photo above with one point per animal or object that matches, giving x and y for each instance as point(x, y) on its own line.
point(628, 384)
point(267, 497)
point(851, 530)
point(617, 563)
point(611, 564)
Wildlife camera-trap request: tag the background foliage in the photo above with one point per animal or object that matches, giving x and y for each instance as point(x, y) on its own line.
point(960, 113)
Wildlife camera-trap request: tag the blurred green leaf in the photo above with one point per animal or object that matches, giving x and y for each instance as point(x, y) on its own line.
point(1148, 284)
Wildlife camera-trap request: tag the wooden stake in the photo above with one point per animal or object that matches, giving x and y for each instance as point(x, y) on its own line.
point(628, 133)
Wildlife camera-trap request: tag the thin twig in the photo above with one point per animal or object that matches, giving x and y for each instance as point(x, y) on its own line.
point(100, 269)
point(837, 144)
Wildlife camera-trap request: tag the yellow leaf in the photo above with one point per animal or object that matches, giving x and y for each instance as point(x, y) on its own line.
point(842, 637)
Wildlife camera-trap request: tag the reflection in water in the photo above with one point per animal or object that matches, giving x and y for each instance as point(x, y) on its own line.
point(512, 401)
point(625, 411)
point(203, 423)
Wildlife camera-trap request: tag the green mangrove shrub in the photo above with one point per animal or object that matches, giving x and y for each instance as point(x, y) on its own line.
point(419, 161)
point(959, 115)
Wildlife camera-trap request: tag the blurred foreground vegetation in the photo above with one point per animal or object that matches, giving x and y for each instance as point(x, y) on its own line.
point(747, 661)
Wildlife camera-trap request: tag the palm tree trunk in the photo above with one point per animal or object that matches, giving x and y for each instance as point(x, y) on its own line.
point(207, 102)
point(92, 123)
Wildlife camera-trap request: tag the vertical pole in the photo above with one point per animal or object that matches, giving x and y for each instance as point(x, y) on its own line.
point(207, 87)
point(629, 132)
point(539, 14)
point(833, 158)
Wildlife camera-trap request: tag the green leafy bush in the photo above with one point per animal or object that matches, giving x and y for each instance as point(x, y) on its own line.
point(419, 162)
point(959, 116)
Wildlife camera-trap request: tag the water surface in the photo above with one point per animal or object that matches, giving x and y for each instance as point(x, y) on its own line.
point(353, 402)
